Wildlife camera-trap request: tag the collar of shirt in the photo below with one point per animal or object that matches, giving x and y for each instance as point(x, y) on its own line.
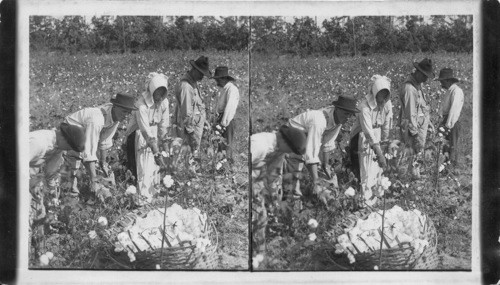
point(453, 87)
point(228, 85)
point(106, 112)
point(187, 77)
point(411, 79)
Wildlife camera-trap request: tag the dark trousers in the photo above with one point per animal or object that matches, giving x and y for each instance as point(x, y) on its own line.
point(228, 134)
point(130, 150)
point(354, 156)
point(452, 139)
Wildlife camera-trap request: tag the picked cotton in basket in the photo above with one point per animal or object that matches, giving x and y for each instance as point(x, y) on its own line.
point(399, 227)
point(181, 225)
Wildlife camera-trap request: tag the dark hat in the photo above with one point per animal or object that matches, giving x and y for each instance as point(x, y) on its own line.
point(74, 135)
point(202, 65)
point(222, 72)
point(446, 73)
point(347, 103)
point(124, 100)
point(425, 66)
point(294, 138)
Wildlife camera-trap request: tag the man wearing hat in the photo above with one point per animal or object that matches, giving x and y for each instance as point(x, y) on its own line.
point(268, 152)
point(449, 111)
point(100, 124)
point(415, 112)
point(189, 114)
point(322, 128)
point(227, 103)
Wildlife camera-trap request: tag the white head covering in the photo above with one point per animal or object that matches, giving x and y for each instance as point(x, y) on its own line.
point(153, 82)
point(379, 82)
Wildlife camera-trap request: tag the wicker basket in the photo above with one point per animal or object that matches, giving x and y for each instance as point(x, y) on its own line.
point(183, 256)
point(402, 257)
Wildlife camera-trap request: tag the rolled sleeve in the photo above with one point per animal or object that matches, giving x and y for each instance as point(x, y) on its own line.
point(92, 133)
point(387, 125)
point(365, 120)
point(316, 127)
point(410, 97)
point(187, 94)
point(142, 118)
point(164, 121)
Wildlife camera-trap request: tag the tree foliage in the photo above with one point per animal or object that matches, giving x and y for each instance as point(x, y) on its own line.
point(299, 35)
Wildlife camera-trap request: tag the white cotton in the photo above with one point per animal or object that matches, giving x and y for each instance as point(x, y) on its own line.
point(131, 256)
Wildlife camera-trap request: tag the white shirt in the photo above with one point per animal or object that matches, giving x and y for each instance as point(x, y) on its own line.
point(321, 131)
point(43, 149)
point(452, 104)
point(370, 117)
point(261, 145)
point(99, 129)
point(149, 115)
point(227, 102)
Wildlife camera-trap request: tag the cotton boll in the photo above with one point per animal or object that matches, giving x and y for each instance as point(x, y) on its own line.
point(338, 249)
point(102, 221)
point(50, 255)
point(351, 258)
point(255, 263)
point(350, 192)
point(92, 234)
point(44, 260)
point(312, 237)
point(131, 256)
point(312, 223)
point(118, 247)
point(131, 190)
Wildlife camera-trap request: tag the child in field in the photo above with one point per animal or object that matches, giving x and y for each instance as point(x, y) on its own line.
point(48, 146)
point(268, 152)
point(371, 128)
point(449, 111)
point(46, 151)
point(147, 134)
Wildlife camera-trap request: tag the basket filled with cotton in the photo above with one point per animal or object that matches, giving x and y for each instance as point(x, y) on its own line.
point(180, 239)
point(407, 242)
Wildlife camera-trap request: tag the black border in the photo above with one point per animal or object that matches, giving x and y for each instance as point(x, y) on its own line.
point(8, 142)
point(490, 150)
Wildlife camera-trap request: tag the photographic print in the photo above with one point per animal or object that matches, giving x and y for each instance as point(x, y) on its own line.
point(362, 142)
point(138, 143)
point(248, 142)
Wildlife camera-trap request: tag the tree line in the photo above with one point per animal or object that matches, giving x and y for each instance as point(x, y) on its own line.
point(298, 35)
